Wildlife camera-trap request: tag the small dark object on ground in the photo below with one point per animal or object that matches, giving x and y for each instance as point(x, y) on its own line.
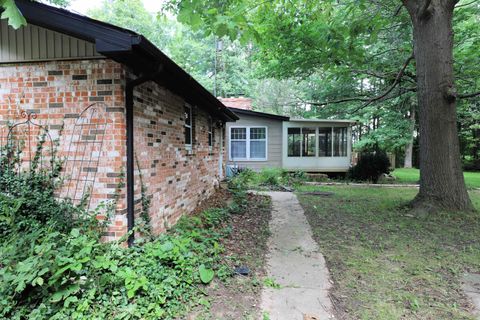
point(244, 271)
point(319, 193)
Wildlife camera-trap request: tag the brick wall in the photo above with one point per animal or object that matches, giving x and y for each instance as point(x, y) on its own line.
point(58, 92)
point(176, 178)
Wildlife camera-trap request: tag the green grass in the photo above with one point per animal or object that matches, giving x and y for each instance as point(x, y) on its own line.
point(411, 176)
point(385, 262)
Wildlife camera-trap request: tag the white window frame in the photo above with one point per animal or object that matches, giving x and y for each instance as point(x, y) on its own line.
point(189, 146)
point(247, 140)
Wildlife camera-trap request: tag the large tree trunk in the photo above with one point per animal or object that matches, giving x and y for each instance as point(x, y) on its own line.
point(442, 185)
point(408, 163)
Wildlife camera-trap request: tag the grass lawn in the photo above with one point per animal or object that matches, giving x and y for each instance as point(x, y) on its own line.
point(388, 264)
point(472, 179)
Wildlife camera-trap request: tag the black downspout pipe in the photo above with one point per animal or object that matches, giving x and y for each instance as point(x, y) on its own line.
point(130, 85)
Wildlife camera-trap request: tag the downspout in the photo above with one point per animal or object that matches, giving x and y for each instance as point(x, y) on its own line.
point(130, 85)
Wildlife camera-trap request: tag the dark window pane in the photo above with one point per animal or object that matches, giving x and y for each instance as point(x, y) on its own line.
point(257, 133)
point(294, 142)
point(308, 149)
point(324, 142)
point(238, 133)
point(188, 135)
point(340, 142)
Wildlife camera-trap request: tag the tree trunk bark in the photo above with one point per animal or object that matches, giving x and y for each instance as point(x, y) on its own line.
point(442, 185)
point(408, 162)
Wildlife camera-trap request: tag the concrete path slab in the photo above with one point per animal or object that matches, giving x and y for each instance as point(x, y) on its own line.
point(471, 287)
point(295, 263)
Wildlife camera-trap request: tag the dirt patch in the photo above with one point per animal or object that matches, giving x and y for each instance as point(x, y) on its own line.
point(238, 297)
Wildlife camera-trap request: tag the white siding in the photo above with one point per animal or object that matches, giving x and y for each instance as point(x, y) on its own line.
point(33, 43)
point(316, 164)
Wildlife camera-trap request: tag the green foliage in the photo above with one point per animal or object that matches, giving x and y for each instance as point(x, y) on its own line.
point(11, 12)
point(370, 167)
point(27, 196)
point(188, 46)
point(15, 17)
point(271, 178)
point(55, 266)
point(47, 274)
point(206, 275)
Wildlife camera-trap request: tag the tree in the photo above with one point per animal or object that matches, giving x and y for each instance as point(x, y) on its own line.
point(441, 175)
point(299, 36)
point(219, 64)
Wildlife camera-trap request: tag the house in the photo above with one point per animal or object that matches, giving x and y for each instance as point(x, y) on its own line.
point(130, 122)
point(262, 140)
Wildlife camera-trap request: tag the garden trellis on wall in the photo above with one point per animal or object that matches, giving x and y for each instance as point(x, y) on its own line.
point(29, 145)
point(79, 147)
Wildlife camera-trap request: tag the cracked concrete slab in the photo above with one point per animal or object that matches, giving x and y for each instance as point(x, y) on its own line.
point(296, 264)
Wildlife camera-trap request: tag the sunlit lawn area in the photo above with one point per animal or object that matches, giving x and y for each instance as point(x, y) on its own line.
point(387, 263)
point(472, 179)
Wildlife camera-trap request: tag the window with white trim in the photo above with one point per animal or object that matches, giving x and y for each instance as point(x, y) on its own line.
point(248, 143)
point(188, 126)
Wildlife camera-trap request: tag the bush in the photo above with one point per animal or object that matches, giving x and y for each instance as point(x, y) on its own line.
point(370, 167)
point(271, 178)
point(27, 197)
point(46, 274)
point(53, 264)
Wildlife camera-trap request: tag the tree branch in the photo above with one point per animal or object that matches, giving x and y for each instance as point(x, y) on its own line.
point(369, 101)
point(468, 95)
point(466, 4)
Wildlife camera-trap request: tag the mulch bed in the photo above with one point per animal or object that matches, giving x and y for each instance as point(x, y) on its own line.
point(239, 296)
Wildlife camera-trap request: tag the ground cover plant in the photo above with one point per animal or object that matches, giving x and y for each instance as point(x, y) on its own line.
point(271, 179)
point(412, 176)
point(57, 267)
point(387, 263)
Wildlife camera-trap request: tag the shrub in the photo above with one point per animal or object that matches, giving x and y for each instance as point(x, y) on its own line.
point(53, 264)
point(370, 167)
point(27, 197)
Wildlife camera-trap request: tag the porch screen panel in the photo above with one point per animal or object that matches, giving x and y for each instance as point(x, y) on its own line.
point(339, 142)
point(325, 142)
point(258, 143)
point(294, 142)
point(309, 142)
point(238, 144)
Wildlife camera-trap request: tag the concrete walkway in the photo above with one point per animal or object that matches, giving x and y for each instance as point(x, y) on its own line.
point(295, 263)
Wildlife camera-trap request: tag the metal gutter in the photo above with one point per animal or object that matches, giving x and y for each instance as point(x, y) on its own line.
point(130, 85)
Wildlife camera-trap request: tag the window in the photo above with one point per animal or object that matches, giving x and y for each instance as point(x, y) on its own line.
point(258, 143)
point(308, 142)
point(248, 143)
point(325, 142)
point(294, 142)
point(238, 142)
point(210, 132)
point(301, 142)
point(188, 125)
point(340, 142)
